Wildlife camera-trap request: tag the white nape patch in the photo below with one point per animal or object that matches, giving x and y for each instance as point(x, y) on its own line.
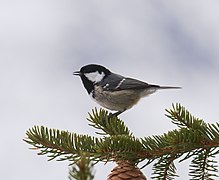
point(95, 76)
point(120, 83)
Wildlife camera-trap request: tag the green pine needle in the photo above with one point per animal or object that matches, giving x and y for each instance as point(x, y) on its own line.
point(107, 123)
point(192, 139)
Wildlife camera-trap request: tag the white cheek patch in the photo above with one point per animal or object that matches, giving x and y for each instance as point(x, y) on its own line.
point(95, 76)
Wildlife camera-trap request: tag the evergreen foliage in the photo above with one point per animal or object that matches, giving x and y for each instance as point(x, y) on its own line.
point(192, 139)
point(82, 169)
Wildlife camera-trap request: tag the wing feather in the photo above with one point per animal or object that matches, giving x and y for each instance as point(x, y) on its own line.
point(115, 82)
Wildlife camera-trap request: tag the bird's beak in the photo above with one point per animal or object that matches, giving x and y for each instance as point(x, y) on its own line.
point(77, 73)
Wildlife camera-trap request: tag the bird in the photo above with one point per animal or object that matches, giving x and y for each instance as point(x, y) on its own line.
point(113, 91)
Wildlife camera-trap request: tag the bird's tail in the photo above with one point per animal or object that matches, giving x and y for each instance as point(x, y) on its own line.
point(169, 87)
point(164, 87)
point(152, 88)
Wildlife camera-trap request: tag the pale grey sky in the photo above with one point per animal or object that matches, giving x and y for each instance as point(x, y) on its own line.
point(42, 42)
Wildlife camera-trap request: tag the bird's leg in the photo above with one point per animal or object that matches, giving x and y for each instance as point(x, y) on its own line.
point(114, 114)
point(117, 113)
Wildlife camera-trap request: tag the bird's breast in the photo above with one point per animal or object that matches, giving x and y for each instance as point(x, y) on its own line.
point(116, 100)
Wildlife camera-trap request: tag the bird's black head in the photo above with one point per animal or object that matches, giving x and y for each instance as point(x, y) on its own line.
point(91, 74)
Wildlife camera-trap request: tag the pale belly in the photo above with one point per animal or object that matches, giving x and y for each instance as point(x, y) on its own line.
point(116, 100)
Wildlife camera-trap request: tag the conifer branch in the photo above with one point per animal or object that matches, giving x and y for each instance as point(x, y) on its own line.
point(82, 169)
point(183, 119)
point(107, 123)
point(193, 138)
point(165, 168)
point(203, 166)
point(60, 144)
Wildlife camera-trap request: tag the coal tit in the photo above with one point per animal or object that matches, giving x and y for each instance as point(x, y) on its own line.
point(113, 91)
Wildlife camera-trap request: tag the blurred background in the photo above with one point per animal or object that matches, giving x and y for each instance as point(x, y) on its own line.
point(42, 42)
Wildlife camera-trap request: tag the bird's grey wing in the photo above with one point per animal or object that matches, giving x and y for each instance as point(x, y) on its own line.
point(111, 81)
point(129, 83)
point(115, 82)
